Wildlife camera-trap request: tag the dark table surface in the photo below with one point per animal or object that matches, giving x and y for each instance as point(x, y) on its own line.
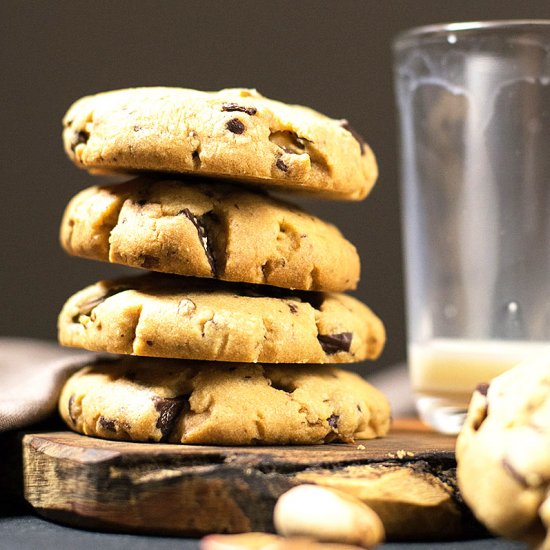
point(33, 533)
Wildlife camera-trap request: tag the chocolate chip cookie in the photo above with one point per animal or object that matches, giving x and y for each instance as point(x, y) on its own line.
point(186, 318)
point(209, 230)
point(503, 454)
point(160, 400)
point(233, 133)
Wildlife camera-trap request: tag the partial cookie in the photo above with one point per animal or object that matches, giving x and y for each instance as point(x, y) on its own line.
point(233, 133)
point(503, 454)
point(169, 316)
point(160, 400)
point(209, 230)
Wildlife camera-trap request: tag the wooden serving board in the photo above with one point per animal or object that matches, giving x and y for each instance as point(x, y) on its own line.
point(408, 477)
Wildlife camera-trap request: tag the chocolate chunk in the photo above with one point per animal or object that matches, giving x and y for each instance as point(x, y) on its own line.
point(149, 262)
point(289, 141)
point(79, 137)
point(313, 298)
point(281, 386)
point(169, 408)
point(205, 225)
point(235, 126)
point(230, 107)
point(333, 343)
point(333, 421)
point(142, 202)
point(70, 408)
point(507, 465)
point(346, 125)
point(196, 159)
point(109, 425)
point(281, 165)
point(87, 307)
point(482, 389)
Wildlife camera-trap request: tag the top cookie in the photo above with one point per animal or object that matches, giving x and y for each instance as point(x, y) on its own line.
point(234, 133)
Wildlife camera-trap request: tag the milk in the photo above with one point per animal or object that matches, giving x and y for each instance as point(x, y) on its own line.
point(452, 368)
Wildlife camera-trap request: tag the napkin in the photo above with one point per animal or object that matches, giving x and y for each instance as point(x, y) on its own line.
point(32, 373)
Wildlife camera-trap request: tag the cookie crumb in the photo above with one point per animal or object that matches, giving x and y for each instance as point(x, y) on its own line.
point(361, 447)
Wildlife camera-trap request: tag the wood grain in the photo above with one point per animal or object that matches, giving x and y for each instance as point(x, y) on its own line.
point(408, 477)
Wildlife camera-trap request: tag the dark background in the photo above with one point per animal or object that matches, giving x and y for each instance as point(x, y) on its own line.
point(334, 56)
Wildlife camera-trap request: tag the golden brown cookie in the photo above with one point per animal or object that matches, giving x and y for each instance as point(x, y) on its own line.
point(181, 317)
point(209, 230)
point(159, 400)
point(503, 454)
point(234, 133)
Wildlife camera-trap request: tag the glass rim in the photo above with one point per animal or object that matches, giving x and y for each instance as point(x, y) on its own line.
point(441, 29)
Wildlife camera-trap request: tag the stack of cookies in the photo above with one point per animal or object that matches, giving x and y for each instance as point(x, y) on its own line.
point(227, 339)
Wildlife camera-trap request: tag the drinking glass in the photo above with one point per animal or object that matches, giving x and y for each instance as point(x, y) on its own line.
point(474, 106)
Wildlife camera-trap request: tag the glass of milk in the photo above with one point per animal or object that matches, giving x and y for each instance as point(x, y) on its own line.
point(474, 106)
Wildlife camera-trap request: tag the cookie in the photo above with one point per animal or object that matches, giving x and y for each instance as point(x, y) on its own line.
point(209, 230)
point(234, 133)
point(503, 454)
point(161, 400)
point(185, 318)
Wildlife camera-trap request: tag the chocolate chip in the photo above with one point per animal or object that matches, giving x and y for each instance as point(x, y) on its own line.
point(137, 128)
point(70, 408)
point(333, 343)
point(149, 262)
point(79, 137)
point(507, 465)
point(293, 308)
point(346, 125)
point(235, 125)
point(482, 389)
point(205, 225)
point(87, 307)
point(359, 408)
point(280, 164)
point(109, 425)
point(149, 343)
point(142, 202)
point(333, 421)
point(230, 107)
point(196, 159)
point(169, 408)
point(281, 386)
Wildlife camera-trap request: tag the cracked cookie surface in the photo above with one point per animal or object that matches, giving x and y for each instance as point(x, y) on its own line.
point(503, 454)
point(161, 400)
point(159, 315)
point(234, 133)
point(209, 230)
